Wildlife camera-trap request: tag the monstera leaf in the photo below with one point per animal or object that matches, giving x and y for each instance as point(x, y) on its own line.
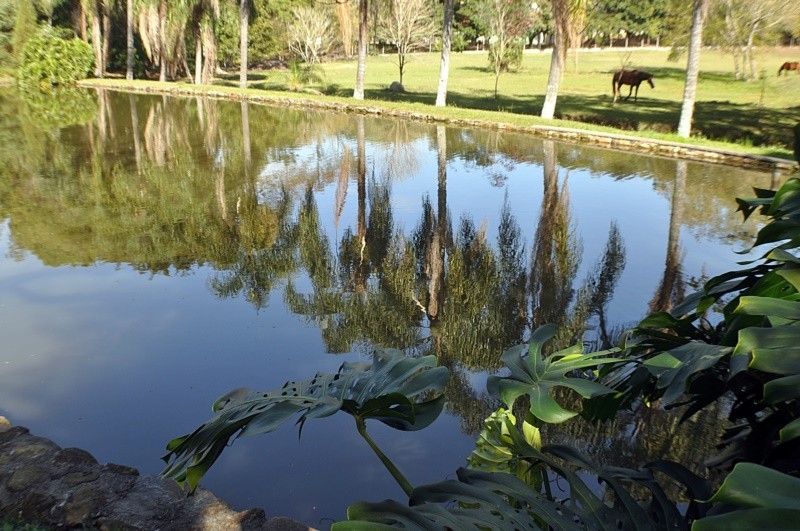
point(676, 368)
point(768, 500)
point(497, 500)
point(500, 444)
point(402, 392)
point(535, 375)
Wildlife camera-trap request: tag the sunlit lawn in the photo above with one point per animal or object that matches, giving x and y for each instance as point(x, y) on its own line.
point(760, 112)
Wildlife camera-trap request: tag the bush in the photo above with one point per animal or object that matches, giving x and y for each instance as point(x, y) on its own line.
point(49, 59)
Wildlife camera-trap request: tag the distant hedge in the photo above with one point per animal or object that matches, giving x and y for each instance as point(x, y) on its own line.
point(51, 59)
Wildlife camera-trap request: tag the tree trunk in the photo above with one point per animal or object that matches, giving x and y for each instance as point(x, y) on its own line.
point(162, 40)
point(129, 44)
point(106, 36)
point(244, 27)
point(82, 22)
point(444, 65)
point(363, 8)
point(692, 67)
point(560, 14)
point(198, 54)
point(97, 38)
point(749, 52)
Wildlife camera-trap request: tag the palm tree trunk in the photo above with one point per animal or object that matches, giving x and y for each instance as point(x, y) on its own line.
point(97, 38)
point(244, 25)
point(692, 68)
point(198, 55)
point(106, 35)
point(162, 40)
point(444, 65)
point(363, 8)
point(560, 14)
point(129, 44)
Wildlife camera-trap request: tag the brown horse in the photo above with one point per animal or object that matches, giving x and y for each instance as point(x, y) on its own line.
point(789, 66)
point(633, 78)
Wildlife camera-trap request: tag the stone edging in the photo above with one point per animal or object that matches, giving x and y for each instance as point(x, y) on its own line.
point(56, 488)
point(596, 138)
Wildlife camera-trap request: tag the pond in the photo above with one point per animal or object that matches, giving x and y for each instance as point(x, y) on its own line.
point(158, 252)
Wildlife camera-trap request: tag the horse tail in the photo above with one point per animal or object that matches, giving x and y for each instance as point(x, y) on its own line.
point(614, 82)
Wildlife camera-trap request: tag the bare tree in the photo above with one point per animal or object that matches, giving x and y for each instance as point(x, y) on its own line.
point(309, 34)
point(407, 24)
point(742, 21)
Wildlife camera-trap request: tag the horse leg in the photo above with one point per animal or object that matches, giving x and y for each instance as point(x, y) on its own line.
point(636, 94)
point(629, 93)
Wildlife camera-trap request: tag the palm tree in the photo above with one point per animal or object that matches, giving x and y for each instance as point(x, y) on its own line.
point(444, 66)
point(692, 67)
point(363, 9)
point(244, 24)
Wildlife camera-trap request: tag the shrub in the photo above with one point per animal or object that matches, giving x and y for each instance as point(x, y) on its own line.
point(49, 59)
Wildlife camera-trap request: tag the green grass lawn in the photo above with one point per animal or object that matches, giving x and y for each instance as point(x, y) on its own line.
point(755, 113)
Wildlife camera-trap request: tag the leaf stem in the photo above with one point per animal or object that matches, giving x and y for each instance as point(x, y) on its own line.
point(393, 470)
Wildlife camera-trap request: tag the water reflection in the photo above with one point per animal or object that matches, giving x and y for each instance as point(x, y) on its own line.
point(276, 236)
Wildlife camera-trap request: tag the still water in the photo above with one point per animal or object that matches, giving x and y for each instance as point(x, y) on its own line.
point(158, 252)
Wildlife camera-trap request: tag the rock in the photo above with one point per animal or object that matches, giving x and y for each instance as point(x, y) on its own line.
point(396, 86)
point(54, 487)
point(4, 424)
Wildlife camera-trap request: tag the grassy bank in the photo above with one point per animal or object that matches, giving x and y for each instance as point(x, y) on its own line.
point(754, 114)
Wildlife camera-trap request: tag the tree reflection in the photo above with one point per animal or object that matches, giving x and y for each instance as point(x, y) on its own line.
point(197, 186)
point(671, 289)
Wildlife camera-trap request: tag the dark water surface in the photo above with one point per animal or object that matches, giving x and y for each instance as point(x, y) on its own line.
point(158, 252)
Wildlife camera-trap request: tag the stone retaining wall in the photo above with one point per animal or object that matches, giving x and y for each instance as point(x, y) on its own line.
point(55, 487)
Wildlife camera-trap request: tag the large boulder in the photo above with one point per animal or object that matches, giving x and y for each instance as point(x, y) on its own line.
point(66, 487)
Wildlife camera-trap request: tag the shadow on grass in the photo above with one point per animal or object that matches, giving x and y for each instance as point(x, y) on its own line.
point(714, 120)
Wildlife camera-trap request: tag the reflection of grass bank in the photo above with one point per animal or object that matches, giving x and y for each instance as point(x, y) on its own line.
point(641, 141)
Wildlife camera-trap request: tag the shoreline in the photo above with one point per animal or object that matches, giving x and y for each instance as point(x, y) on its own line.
point(615, 141)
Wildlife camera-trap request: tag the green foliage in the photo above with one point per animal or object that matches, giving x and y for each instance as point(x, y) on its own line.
point(49, 59)
point(497, 500)
point(8, 12)
point(401, 392)
point(24, 28)
point(536, 375)
point(301, 75)
point(767, 498)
